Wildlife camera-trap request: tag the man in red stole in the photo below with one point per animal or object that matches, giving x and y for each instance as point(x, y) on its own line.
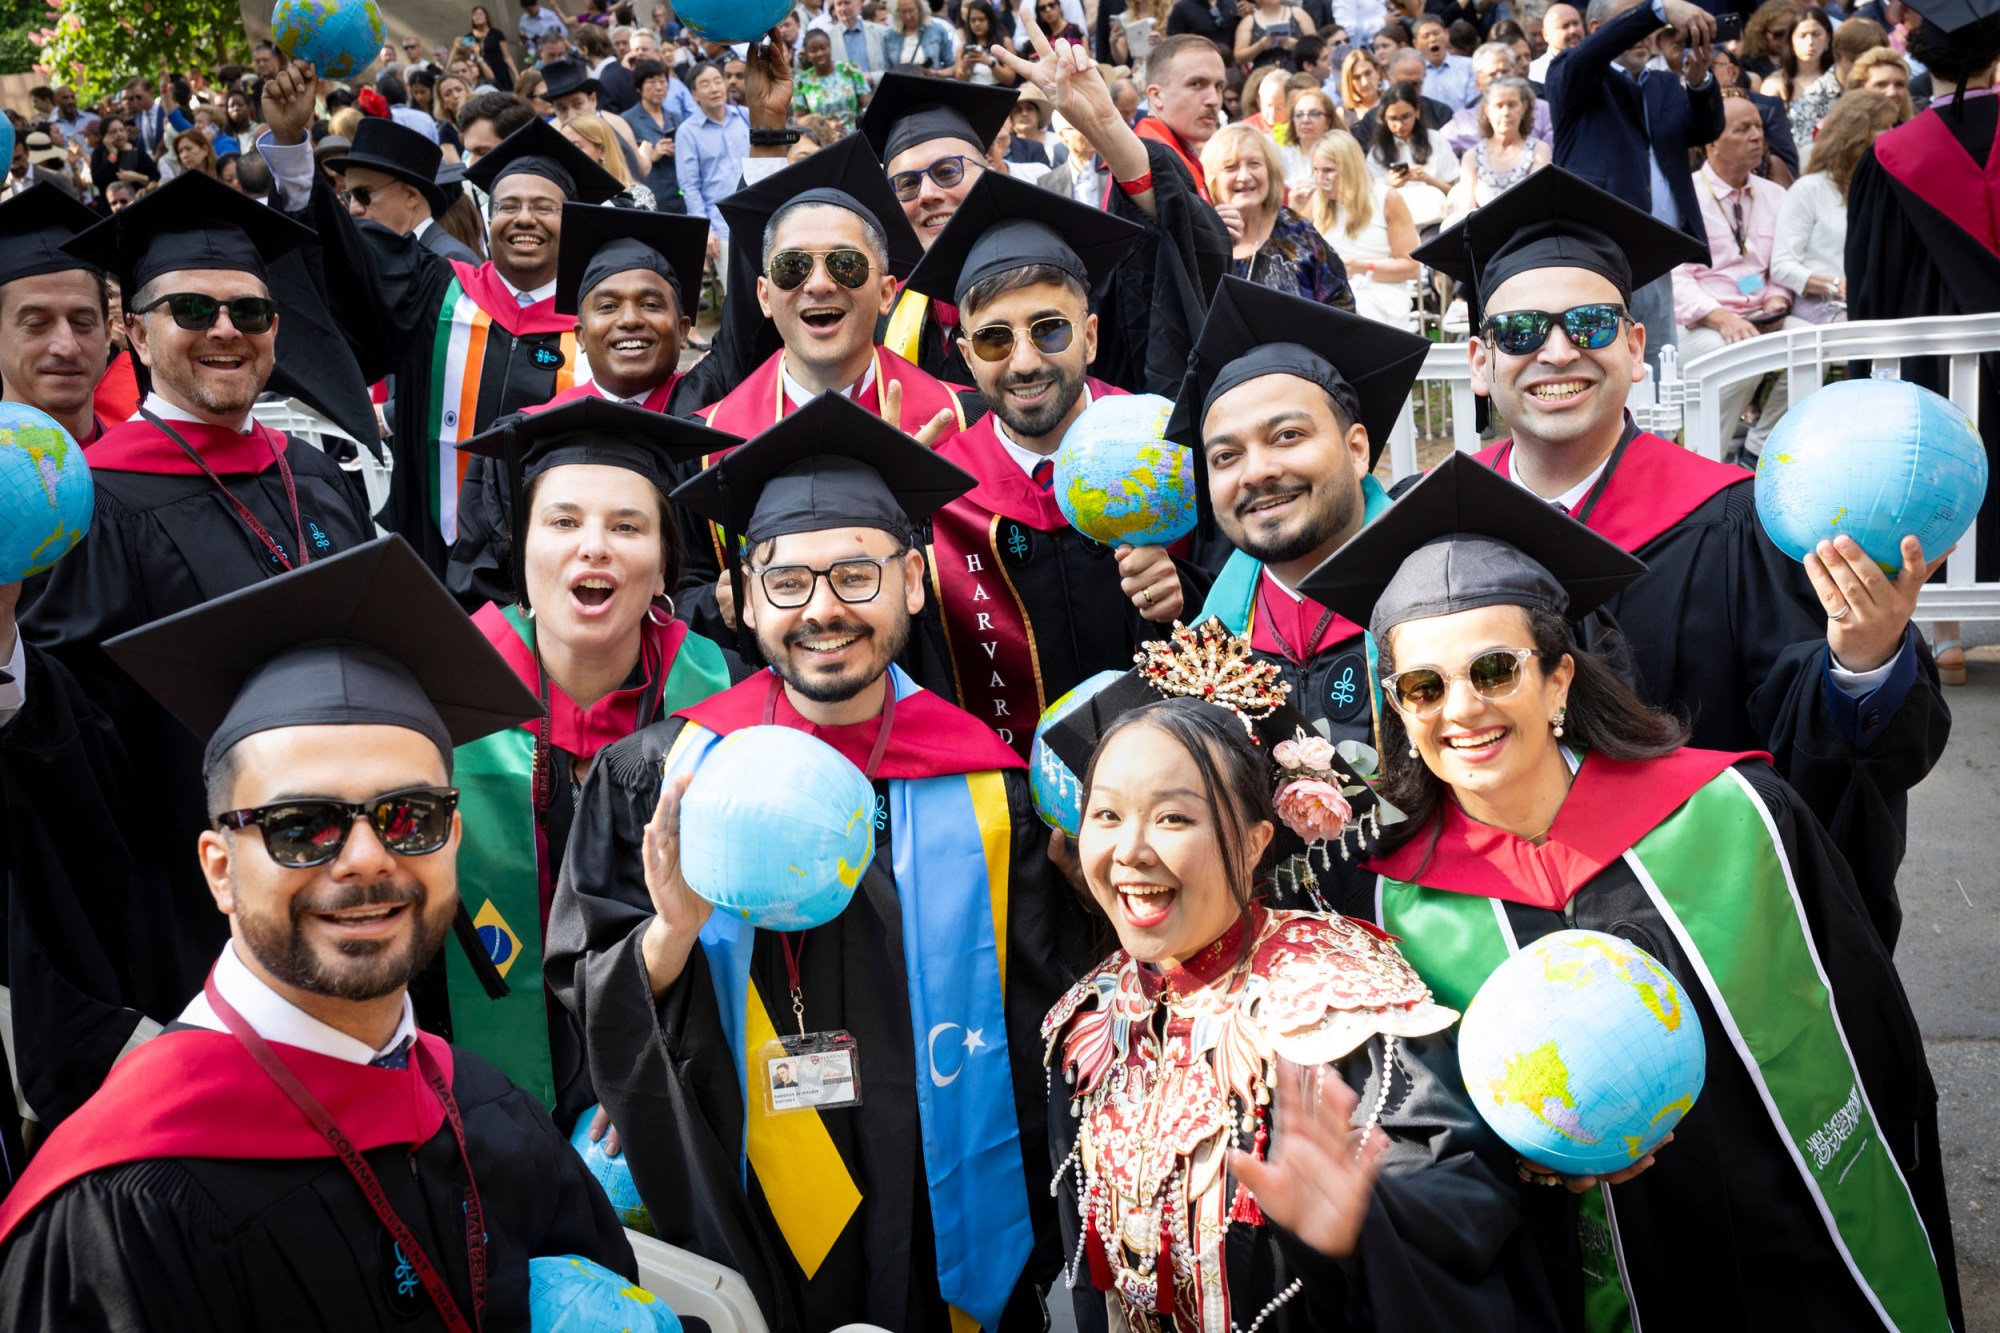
point(292, 1152)
point(55, 312)
point(1184, 80)
point(1816, 664)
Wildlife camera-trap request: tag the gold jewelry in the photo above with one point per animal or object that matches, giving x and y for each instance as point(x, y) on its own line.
point(1211, 664)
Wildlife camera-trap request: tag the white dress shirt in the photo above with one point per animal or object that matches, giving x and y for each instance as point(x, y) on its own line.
point(798, 395)
point(276, 1019)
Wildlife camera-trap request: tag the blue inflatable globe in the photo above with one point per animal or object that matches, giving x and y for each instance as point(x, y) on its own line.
point(777, 828)
point(1878, 460)
point(7, 142)
point(340, 37)
point(45, 493)
point(731, 20)
point(1582, 1052)
point(570, 1294)
point(1057, 792)
point(1119, 480)
point(614, 1174)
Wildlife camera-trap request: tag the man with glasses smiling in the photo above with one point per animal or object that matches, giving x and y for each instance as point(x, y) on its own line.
point(1815, 663)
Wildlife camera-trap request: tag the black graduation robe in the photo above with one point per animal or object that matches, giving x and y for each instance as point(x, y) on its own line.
point(211, 1244)
point(162, 539)
point(1725, 630)
point(667, 1074)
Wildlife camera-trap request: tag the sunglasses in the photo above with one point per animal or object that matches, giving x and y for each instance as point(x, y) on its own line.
point(1050, 335)
point(1494, 675)
point(306, 833)
point(363, 195)
point(789, 269)
point(197, 313)
point(1522, 332)
point(946, 171)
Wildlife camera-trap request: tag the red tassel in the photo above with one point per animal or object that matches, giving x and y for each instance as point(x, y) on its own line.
point(1163, 1272)
point(1245, 1208)
point(1093, 1250)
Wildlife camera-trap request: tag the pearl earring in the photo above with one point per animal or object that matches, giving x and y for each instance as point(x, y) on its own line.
point(1413, 749)
point(1556, 722)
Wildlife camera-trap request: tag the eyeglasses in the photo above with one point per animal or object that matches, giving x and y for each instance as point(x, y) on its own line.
point(946, 171)
point(1522, 332)
point(299, 834)
point(541, 209)
point(853, 581)
point(789, 269)
point(197, 312)
point(1494, 675)
point(1050, 335)
point(363, 195)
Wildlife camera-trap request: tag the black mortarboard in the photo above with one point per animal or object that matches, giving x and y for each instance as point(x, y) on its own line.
point(909, 109)
point(539, 149)
point(598, 242)
point(569, 75)
point(34, 225)
point(1467, 537)
point(1952, 15)
point(1003, 225)
point(194, 221)
point(366, 636)
point(848, 176)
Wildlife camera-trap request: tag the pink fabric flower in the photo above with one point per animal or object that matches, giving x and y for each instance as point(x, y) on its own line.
point(1316, 752)
point(1314, 810)
point(1286, 753)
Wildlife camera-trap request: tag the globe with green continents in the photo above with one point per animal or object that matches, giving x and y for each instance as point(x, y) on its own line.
point(1582, 1052)
point(1119, 480)
point(45, 493)
point(340, 38)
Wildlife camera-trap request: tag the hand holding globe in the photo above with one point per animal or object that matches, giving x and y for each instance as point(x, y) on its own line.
point(1866, 611)
point(679, 912)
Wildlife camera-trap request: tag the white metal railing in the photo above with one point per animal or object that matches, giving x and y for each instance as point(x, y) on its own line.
point(300, 422)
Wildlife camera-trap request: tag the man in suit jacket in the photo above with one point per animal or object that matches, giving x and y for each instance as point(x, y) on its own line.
point(859, 42)
point(390, 177)
point(1628, 129)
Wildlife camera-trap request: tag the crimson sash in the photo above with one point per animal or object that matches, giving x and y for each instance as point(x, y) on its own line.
point(1152, 127)
point(656, 401)
point(117, 395)
point(483, 284)
point(1933, 165)
point(139, 446)
point(1654, 486)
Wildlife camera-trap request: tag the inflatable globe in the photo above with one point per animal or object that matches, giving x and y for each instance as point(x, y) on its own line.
point(339, 37)
point(7, 142)
point(1582, 1052)
point(1117, 477)
point(731, 20)
point(1057, 792)
point(570, 1294)
point(777, 828)
point(614, 1174)
point(1878, 460)
point(45, 493)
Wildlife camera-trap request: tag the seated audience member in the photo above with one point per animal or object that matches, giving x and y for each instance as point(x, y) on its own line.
point(1369, 227)
point(1274, 247)
point(1809, 250)
point(1413, 158)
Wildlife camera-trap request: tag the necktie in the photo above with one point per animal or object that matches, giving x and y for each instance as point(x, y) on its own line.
point(522, 298)
point(396, 1058)
point(1044, 474)
point(1561, 508)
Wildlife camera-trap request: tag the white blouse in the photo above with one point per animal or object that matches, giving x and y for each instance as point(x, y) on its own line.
point(1811, 235)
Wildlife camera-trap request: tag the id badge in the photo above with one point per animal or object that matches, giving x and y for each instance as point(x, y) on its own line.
point(814, 1072)
point(1750, 284)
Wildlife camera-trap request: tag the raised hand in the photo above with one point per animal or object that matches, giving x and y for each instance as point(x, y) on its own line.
point(289, 101)
point(1067, 74)
point(1316, 1180)
point(1866, 611)
point(679, 912)
point(767, 83)
point(927, 434)
point(1147, 576)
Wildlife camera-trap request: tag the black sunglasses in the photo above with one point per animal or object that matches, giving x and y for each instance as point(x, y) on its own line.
point(995, 342)
point(946, 171)
point(789, 269)
point(1522, 332)
point(306, 833)
point(197, 312)
point(363, 195)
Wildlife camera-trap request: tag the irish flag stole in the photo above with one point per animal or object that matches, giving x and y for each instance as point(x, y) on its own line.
point(951, 867)
point(1753, 954)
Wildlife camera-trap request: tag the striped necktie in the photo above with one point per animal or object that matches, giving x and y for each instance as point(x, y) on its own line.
point(1044, 474)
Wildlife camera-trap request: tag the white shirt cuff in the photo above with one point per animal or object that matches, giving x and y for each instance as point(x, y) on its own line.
point(14, 693)
point(291, 168)
point(1854, 684)
point(757, 169)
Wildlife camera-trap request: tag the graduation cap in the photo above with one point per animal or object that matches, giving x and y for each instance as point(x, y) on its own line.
point(598, 242)
point(1467, 537)
point(909, 109)
point(34, 224)
point(1952, 15)
point(1004, 225)
point(847, 176)
point(539, 149)
point(366, 636)
point(194, 221)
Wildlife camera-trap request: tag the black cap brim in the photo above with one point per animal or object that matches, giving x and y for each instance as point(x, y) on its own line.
point(599, 430)
point(909, 109)
point(194, 221)
point(1952, 15)
point(850, 169)
point(1075, 738)
point(34, 226)
point(539, 148)
point(1003, 225)
point(677, 242)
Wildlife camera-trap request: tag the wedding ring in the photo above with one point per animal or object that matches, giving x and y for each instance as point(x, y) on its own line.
point(1147, 595)
point(1841, 614)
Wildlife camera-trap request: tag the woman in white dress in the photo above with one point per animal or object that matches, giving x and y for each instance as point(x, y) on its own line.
point(1369, 227)
point(1413, 160)
point(1308, 117)
point(1809, 248)
point(1504, 155)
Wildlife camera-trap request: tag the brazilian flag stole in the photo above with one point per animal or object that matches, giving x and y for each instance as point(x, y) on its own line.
point(503, 867)
point(952, 853)
point(1753, 954)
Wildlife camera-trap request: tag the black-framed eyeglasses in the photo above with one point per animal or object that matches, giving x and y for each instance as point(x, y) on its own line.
point(363, 195)
point(303, 833)
point(853, 581)
point(1051, 334)
point(1494, 675)
point(197, 311)
point(946, 171)
point(1522, 332)
point(789, 269)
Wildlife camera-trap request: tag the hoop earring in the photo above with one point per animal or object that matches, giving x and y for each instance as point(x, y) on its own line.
point(653, 611)
point(1556, 722)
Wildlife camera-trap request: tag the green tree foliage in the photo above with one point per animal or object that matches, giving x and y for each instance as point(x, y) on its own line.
point(100, 45)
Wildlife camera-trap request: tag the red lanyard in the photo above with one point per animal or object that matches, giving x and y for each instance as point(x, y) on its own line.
point(364, 1175)
point(1311, 646)
point(250, 520)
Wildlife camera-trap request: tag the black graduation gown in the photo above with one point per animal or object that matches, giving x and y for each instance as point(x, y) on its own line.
point(211, 1245)
point(667, 1075)
point(1905, 259)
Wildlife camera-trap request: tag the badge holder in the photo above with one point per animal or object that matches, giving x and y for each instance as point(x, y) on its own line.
point(813, 1071)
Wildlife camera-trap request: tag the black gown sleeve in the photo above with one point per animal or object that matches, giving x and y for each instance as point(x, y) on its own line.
point(1152, 306)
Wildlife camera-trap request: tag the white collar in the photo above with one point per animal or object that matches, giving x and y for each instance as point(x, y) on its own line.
point(1573, 497)
point(535, 294)
point(797, 395)
point(167, 411)
point(1025, 457)
point(274, 1018)
point(1282, 586)
point(637, 400)
point(424, 224)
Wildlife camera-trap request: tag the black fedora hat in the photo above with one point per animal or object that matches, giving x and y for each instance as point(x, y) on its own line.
point(569, 75)
point(396, 150)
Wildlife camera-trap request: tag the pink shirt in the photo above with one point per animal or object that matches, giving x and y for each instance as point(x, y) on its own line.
point(1737, 276)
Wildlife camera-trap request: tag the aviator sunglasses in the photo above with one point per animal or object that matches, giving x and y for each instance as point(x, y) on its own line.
point(1050, 335)
point(1494, 675)
point(846, 266)
point(1522, 332)
point(310, 832)
point(197, 313)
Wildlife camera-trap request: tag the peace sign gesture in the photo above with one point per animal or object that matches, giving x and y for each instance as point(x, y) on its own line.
point(1075, 87)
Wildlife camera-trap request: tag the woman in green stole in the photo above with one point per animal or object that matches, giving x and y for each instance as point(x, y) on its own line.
point(594, 550)
point(1803, 1189)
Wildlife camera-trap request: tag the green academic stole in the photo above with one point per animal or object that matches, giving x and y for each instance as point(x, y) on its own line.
point(500, 874)
point(1752, 951)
